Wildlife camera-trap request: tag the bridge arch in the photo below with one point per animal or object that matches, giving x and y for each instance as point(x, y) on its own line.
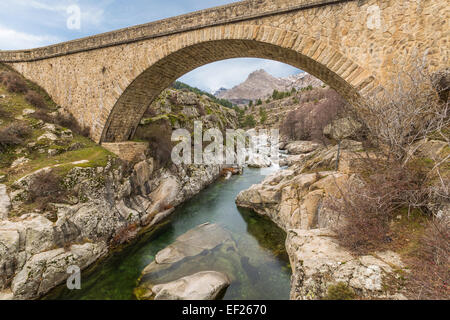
point(186, 52)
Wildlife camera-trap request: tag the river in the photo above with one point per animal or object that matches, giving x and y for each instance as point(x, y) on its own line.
point(265, 275)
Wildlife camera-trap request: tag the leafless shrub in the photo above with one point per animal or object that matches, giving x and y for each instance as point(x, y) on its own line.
point(35, 100)
point(430, 264)
point(68, 121)
point(46, 188)
point(308, 121)
point(14, 134)
point(367, 202)
point(13, 82)
point(43, 115)
point(4, 114)
point(125, 235)
point(410, 111)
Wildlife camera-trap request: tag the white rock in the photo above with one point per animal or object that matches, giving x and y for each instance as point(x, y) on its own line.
point(205, 285)
point(49, 136)
point(5, 203)
point(259, 161)
point(48, 269)
point(20, 161)
point(52, 152)
point(300, 147)
point(26, 112)
point(319, 262)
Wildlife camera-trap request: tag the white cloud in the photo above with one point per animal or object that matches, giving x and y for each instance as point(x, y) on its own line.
point(92, 15)
point(228, 73)
point(12, 39)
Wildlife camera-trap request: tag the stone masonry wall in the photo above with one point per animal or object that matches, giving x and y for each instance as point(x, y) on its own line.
point(107, 81)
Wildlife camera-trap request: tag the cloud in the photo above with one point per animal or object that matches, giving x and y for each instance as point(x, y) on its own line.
point(54, 14)
point(12, 39)
point(231, 72)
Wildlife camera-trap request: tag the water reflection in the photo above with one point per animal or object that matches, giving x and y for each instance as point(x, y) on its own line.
point(259, 269)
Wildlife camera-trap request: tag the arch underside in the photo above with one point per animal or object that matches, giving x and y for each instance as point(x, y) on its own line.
point(130, 107)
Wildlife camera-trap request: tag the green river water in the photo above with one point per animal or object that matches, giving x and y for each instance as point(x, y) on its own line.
point(264, 275)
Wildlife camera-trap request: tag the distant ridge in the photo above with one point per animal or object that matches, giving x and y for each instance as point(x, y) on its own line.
point(260, 85)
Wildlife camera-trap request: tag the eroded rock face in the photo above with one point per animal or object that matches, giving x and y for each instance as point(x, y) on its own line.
point(318, 262)
point(108, 203)
point(48, 269)
point(206, 285)
point(174, 272)
point(291, 200)
point(344, 128)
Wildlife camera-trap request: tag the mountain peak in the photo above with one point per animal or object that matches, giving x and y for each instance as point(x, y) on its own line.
point(259, 73)
point(260, 84)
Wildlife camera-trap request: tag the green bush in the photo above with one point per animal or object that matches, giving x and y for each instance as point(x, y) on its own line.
point(249, 121)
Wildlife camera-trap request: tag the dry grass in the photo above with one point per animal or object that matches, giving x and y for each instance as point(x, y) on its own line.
point(367, 202)
point(125, 235)
point(430, 263)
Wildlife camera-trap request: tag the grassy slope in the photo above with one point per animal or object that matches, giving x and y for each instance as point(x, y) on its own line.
point(14, 104)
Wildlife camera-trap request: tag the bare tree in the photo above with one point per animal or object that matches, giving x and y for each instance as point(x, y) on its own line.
point(411, 110)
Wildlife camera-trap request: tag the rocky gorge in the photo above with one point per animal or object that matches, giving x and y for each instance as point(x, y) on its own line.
point(110, 202)
point(65, 201)
point(293, 199)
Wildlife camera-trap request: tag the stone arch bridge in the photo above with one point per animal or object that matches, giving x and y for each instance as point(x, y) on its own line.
point(107, 81)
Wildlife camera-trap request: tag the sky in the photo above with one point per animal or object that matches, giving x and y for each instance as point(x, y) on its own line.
point(26, 24)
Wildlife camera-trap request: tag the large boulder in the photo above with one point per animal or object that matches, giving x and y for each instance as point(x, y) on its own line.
point(48, 269)
point(207, 247)
point(293, 200)
point(301, 147)
point(259, 161)
point(319, 263)
point(192, 243)
point(205, 285)
point(344, 128)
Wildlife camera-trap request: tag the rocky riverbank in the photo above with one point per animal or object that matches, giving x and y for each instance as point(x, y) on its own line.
point(113, 209)
point(293, 199)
